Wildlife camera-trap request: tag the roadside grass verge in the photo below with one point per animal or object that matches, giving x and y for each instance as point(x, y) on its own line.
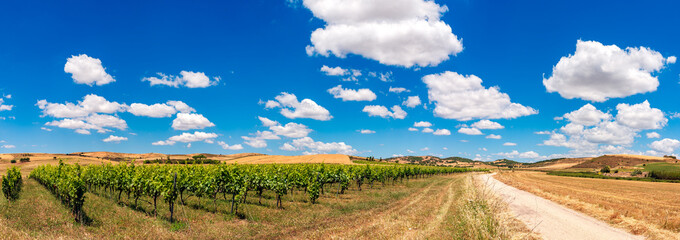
point(650, 209)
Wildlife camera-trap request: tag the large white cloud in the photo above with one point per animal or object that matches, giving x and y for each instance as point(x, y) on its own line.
point(665, 145)
point(382, 111)
point(597, 72)
point(87, 70)
point(464, 98)
point(309, 146)
point(640, 116)
point(189, 121)
point(406, 33)
point(292, 108)
point(363, 94)
point(186, 78)
point(587, 115)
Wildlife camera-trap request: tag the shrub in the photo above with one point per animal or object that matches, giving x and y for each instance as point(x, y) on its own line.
point(11, 184)
point(25, 159)
point(13, 161)
point(636, 172)
point(606, 169)
point(666, 175)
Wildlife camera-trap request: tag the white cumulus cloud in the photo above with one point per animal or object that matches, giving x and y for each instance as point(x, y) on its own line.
point(597, 72)
point(398, 89)
point(487, 124)
point(407, 33)
point(186, 78)
point(189, 121)
point(116, 139)
point(464, 98)
point(87, 70)
point(587, 115)
point(226, 146)
point(640, 116)
point(412, 101)
point(309, 146)
point(470, 131)
point(158, 110)
point(422, 124)
point(363, 94)
point(665, 145)
point(5, 107)
point(334, 71)
point(292, 108)
point(442, 132)
point(493, 136)
point(382, 111)
point(188, 138)
point(653, 135)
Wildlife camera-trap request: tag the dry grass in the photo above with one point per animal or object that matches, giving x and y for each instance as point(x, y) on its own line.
point(640, 157)
point(48, 159)
point(648, 208)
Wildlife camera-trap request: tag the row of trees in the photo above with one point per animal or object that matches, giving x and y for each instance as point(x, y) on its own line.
point(66, 183)
point(176, 183)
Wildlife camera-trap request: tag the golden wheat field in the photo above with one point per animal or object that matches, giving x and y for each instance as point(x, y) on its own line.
point(651, 209)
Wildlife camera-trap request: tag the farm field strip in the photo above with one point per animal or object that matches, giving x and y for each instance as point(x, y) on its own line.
point(648, 208)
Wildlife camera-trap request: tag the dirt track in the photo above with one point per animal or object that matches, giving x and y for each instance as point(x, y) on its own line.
point(550, 219)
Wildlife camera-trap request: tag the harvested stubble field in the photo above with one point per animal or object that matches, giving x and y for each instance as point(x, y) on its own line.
point(439, 207)
point(651, 209)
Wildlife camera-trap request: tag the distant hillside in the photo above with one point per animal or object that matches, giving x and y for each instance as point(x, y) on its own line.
point(621, 161)
point(556, 163)
point(451, 161)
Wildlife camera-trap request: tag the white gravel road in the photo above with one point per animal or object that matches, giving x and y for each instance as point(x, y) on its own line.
point(551, 220)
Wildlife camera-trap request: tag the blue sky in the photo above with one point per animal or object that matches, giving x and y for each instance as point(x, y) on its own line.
point(231, 63)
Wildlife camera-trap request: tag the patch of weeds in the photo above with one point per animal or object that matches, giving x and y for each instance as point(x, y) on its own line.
point(178, 226)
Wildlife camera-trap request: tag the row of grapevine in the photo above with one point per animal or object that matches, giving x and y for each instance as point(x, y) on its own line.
point(11, 184)
point(175, 183)
point(65, 182)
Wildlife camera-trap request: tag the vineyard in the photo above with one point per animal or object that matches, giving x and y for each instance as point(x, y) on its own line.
point(174, 184)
